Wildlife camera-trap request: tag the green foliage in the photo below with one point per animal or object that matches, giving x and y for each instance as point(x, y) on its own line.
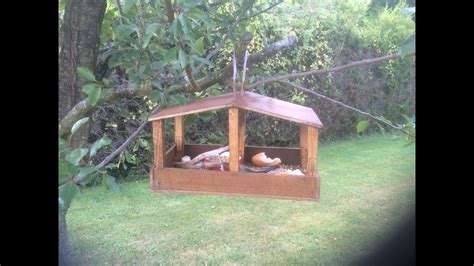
point(99, 144)
point(93, 92)
point(76, 155)
point(408, 46)
point(73, 162)
point(362, 125)
point(85, 73)
point(109, 183)
point(66, 194)
point(76, 126)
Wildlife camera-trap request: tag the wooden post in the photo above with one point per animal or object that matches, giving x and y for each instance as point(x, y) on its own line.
point(309, 149)
point(179, 136)
point(304, 146)
point(234, 139)
point(158, 150)
point(241, 134)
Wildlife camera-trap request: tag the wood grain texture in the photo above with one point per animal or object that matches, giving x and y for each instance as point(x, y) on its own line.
point(158, 134)
point(179, 136)
point(313, 135)
point(158, 143)
point(256, 184)
point(241, 132)
point(234, 139)
point(309, 149)
point(247, 101)
point(304, 147)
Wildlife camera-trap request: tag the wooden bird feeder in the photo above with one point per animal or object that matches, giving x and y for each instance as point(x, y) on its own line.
point(165, 178)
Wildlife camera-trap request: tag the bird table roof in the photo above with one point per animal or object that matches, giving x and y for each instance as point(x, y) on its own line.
point(247, 101)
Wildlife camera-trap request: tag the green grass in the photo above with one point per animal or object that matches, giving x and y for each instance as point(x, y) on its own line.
point(367, 188)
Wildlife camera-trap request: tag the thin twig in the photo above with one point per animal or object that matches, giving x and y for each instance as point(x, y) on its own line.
point(122, 147)
point(120, 10)
point(300, 88)
point(265, 10)
point(224, 39)
point(364, 62)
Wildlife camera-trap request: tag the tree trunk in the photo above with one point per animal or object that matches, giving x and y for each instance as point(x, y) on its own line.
point(80, 35)
point(79, 44)
point(80, 39)
point(64, 247)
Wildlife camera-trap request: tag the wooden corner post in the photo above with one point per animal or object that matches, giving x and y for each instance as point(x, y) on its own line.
point(179, 136)
point(241, 134)
point(236, 137)
point(158, 149)
point(309, 149)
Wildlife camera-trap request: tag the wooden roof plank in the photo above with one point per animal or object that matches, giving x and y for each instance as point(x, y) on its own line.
point(248, 101)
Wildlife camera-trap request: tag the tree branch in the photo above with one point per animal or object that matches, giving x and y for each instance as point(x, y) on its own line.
point(83, 107)
point(79, 178)
point(192, 80)
point(263, 11)
point(120, 10)
point(224, 39)
point(300, 88)
point(364, 62)
point(169, 11)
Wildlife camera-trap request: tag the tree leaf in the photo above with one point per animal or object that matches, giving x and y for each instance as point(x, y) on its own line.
point(199, 46)
point(190, 3)
point(99, 144)
point(62, 145)
point(201, 15)
point(65, 170)
point(176, 28)
point(66, 194)
point(130, 158)
point(178, 99)
point(184, 24)
point(85, 74)
point(154, 95)
point(183, 59)
point(189, 120)
point(144, 144)
point(362, 125)
point(85, 171)
point(150, 31)
point(109, 182)
point(94, 95)
point(76, 155)
point(196, 12)
point(128, 4)
point(171, 54)
point(203, 60)
point(157, 65)
point(78, 124)
point(408, 47)
point(88, 87)
point(173, 88)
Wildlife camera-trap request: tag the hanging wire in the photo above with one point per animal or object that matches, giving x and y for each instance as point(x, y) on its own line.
point(243, 71)
point(234, 74)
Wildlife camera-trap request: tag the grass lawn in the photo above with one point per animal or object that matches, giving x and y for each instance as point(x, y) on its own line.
point(367, 188)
